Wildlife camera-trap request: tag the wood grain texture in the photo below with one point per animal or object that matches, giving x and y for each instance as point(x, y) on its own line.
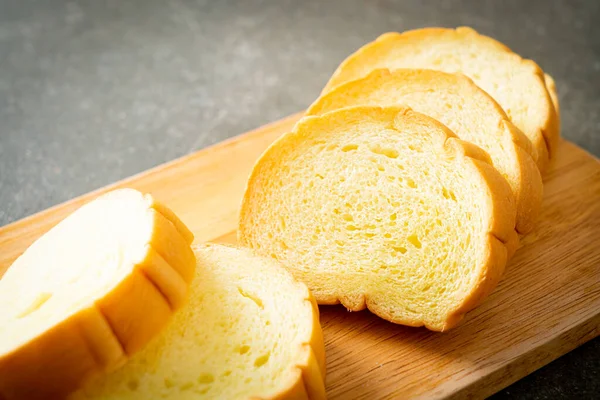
point(547, 303)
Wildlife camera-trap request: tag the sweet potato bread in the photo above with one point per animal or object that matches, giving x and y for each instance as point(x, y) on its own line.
point(467, 110)
point(249, 331)
point(382, 208)
point(518, 85)
point(89, 293)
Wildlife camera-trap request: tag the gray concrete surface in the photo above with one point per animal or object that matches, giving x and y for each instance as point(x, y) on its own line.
point(94, 91)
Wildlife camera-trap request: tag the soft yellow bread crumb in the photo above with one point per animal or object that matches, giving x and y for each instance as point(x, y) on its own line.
point(382, 208)
point(518, 85)
point(249, 331)
point(467, 110)
point(89, 293)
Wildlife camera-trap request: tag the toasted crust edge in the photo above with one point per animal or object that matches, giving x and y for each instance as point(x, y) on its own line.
point(501, 223)
point(549, 132)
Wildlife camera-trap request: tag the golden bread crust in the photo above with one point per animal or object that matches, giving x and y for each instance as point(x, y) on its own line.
point(482, 118)
point(500, 235)
point(99, 336)
point(376, 54)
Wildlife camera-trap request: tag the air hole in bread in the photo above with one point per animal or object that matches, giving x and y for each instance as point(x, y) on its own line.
point(133, 384)
point(168, 382)
point(252, 297)
point(348, 217)
point(37, 303)
point(349, 147)
point(205, 378)
point(384, 151)
point(448, 194)
point(399, 249)
point(414, 240)
point(262, 360)
point(243, 349)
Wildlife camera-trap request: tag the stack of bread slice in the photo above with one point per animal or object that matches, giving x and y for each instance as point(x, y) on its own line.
point(403, 188)
point(113, 303)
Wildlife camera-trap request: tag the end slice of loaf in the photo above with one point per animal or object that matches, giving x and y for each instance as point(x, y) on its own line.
point(249, 331)
point(518, 85)
point(89, 293)
point(462, 106)
point(382, 208)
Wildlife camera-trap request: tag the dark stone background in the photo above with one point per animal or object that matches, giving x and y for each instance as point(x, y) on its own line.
point(95, 91)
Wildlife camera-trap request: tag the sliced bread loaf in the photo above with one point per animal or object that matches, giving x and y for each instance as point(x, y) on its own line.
point(89, 293)
point(518, 85)
point(462, 106)
point(382, 208)
point(249, 331)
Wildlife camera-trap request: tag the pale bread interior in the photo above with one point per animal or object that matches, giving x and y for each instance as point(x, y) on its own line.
point(466, 109)
point(383, 208)
point(518, 85)
point(90, 292)
point(243, 334)
point(78, 261)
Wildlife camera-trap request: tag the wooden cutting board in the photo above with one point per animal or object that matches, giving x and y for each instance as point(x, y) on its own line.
point(547, 303)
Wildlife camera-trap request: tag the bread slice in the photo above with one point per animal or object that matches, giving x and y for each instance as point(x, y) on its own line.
point(89, 293)
point(382, 208)
point(462, 106)
point(551, 86)
point(249, 331)
point(516, 84)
